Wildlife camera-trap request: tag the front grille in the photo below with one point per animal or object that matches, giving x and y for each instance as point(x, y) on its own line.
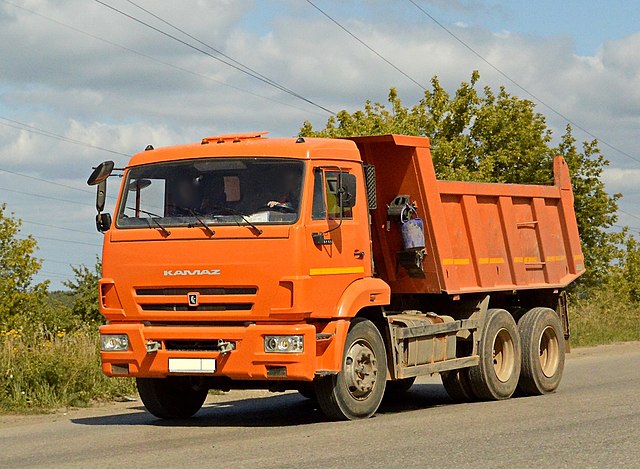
point(205, 307)
point(216, 298)
point(202, 291)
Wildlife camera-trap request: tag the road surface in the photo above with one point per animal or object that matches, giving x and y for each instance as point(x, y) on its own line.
point(592, 421)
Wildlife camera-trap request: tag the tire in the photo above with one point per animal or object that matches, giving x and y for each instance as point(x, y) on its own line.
point(356, 392)
point(458, 385)
point(170, 398)
point(496, 376)
point(399, 386)
point(308, 391)
point(543, 351)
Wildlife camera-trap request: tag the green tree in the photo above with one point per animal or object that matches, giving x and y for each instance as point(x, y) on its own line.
point(21, 297)
point(84, 291)
point(495, 137)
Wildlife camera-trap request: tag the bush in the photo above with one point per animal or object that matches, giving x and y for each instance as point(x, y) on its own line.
point(38, 372)
point(607, 315)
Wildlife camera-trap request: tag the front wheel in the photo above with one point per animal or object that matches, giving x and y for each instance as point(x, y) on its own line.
point(173, 397)
point(356, 392)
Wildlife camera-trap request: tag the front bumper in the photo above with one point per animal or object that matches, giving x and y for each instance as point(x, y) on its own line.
point(247, 362)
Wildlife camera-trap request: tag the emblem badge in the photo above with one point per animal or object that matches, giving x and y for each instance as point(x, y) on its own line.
point(193, 298)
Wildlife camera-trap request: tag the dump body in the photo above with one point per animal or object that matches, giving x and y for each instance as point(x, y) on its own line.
point(479, 237)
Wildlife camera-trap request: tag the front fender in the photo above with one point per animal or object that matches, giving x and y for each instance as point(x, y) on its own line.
point(361, 294)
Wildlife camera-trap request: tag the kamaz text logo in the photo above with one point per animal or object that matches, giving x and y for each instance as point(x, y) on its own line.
point(187, 272)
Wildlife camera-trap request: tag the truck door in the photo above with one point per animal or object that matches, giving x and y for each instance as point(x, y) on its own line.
point(344, 255)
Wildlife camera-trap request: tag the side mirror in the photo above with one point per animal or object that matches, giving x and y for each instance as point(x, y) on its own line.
point(103, 222)
point(101, 195)
point(100, 173)
point(347, 190)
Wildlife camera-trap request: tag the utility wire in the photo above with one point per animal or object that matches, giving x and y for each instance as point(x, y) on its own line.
point(217, 51)
point(630, 214)
point(47, 133)
point(548, 106)
point(41, 196)
point(153, 59)
point(333, 20)
point(36, 237)
point(232, 65)
point(66, 186)
point(29, 222)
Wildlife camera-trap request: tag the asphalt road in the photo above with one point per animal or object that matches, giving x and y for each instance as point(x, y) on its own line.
point(592, 421)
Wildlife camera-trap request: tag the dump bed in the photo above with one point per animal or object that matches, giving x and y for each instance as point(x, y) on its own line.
point(478, 237)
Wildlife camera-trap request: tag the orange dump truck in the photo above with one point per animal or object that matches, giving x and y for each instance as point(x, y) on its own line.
point(341, 268)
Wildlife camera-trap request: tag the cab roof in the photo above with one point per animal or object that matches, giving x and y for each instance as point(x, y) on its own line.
point(253, 145)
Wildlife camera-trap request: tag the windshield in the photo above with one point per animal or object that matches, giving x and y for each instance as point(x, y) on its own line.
point(216, 191)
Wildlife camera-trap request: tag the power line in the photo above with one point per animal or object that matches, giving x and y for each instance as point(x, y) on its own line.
point(630, 214)
point(15, 173)
point(33, 194)
point(217, 51)
point(46, 225)
point(153, 59)
point(47, 133)
point(37, 237)
point(333, 20)
point(237, 67)
point(548, 106)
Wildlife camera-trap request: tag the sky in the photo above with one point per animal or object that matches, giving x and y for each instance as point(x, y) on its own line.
point(83, 72)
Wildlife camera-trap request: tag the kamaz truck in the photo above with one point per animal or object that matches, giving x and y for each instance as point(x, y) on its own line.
point(341, 268)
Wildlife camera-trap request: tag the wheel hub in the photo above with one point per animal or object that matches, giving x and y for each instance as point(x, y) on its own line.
point(361, 369)
point(503, 355)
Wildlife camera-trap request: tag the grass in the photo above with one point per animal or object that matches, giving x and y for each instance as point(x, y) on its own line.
point(606, 317)
point(37, 374)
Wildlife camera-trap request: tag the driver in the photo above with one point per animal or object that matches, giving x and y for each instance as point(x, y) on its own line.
point(289, 190)
point(185, 196)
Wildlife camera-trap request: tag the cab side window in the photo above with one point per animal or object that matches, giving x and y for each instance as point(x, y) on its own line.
point(325, 197)
point(319, 210)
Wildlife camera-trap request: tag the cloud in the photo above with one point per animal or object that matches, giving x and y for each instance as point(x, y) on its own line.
point(85, 89)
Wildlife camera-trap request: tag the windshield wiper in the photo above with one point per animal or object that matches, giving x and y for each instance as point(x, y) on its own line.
point(241, 215)
point(165, 231)
point(154, 218)
point(201, 221)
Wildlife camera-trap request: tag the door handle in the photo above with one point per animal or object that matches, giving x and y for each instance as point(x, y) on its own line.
point(358, 254)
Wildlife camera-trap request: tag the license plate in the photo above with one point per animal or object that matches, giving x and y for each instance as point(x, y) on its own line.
point(192, 365)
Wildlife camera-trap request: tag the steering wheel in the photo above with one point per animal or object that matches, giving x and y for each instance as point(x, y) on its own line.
point(277, 208)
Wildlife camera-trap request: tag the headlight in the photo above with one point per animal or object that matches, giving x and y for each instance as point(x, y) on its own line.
point(114, 342)
point(283, 343)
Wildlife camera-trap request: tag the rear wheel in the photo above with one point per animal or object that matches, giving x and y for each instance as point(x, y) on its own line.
point(496, 376)
point(173, 397)
point(356, 392)
point(458, 385)
point(543, 351)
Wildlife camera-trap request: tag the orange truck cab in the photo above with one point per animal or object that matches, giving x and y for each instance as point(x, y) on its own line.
point(341, 268)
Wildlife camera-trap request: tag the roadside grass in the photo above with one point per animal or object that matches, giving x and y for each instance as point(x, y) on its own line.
point(38, 373)
point(606, 317)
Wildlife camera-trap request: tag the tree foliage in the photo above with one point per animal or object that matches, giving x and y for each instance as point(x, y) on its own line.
point(495, 137)
point(84, 291)
point(19, 295)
